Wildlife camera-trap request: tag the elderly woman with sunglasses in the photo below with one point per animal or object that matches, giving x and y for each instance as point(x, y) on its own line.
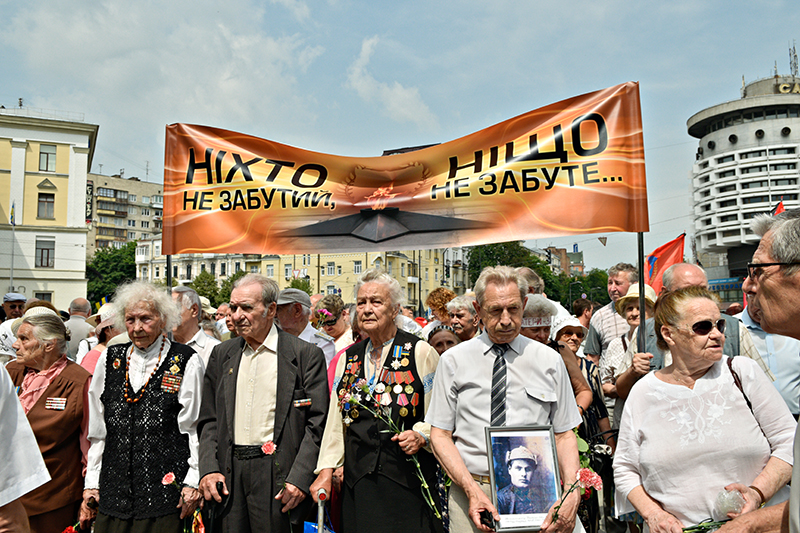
point(703, 424)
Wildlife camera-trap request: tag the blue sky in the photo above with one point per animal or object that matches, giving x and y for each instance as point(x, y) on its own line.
point(355, 78)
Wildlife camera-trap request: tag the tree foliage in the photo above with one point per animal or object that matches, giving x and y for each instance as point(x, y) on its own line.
point(226, 287)
point(303, 284)
point(108, 269)
point(205, 285)
point(559, 287)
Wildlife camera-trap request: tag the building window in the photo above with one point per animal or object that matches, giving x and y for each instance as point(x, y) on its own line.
point(144, 272)
point(705, 194)
point(46, 296)
point(751, 155)
point(781, 151)
point(157, 271)
point(237, 266)
point(707, 222)
point(132, 198)
point(728, 203)
point(330, 289)
point(783, 166)
point(214, 269)
point(726, 174)
point(222, 268)
point(782, 197)
point(202, 267)
point(402, 270)
point(727, 188)
point(175, 271)
point(754, 184)
point(145, 224)
point(131, 210)
point(145, 212)
point(158, 199)
point(132, 235)
point(389, 268)
point(253, 269)
point(730, 233)
point(426, 274)
point(287, 271)
point(356, 267)
point(339, 270)
point(145, 199)
point(726, 159)
point(188, 271)
point(331, 269)
point(728, 218)
point(47, 203)
point(45, 253)
point(47, 157)
point(755, 199)
point(785, 181)
point(750, 170)
point(105, 193)
point(270, 271)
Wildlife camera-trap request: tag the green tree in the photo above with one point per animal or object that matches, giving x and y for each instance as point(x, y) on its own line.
point(511, 253)
point(205, 285)
point(303, 284)
point(108, 269)
point(226, 287)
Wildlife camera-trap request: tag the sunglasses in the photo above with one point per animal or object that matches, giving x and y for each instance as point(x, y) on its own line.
point(332, 322)
point(15, 306)
point(704, 327)
point(578, 334)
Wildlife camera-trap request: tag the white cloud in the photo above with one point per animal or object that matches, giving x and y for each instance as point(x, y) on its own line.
point(299, 9)
point(402, 104)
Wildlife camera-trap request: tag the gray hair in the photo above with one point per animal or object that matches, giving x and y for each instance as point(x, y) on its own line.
point(188, 297)
point(537, 305)
point(160, 300)
point(535, 282)
point(269, 289)
point(463, 302)
point(81, 305)
point(376, 275)
point(499, 275)
point(668, 277)
point(785, 229)
point(47, 328)
point(633, 272)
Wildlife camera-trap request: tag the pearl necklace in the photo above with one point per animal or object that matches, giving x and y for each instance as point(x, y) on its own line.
point(127, 378)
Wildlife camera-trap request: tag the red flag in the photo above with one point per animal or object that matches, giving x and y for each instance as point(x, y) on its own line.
point(662, 258)
point(779, 209)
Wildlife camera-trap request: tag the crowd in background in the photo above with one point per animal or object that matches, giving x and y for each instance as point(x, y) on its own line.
point(138, 416)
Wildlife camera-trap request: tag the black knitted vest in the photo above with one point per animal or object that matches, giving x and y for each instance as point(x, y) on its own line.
point(143, 442)
point(367, 448)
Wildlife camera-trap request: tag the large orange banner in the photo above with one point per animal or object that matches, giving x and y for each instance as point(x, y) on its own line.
point(573, 167)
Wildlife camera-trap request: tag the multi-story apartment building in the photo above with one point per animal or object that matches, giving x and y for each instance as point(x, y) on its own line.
point(418, 271)
point(122, 210)
point(44, 161)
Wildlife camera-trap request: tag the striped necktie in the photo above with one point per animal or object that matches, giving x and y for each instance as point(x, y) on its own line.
point(499, 385)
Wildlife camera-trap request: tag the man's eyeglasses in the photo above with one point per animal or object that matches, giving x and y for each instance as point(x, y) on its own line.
point(704, 327)
point(15, 306)
point(753, 272)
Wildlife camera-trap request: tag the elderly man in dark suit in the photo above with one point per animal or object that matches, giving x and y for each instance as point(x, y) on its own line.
point(265, 400)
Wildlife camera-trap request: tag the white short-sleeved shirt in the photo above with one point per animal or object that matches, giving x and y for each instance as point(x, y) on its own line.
point(538, 392)
point(684, 445)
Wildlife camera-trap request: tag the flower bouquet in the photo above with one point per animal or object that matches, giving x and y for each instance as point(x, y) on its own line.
point(360, 395)
point(585, 479)
point(196, 523)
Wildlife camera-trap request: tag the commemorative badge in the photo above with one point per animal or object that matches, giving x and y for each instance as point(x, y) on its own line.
point(116, 363)
point(55, 404)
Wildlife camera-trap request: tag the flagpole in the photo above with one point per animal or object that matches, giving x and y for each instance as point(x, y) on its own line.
point(640, 338)
point(13, 241)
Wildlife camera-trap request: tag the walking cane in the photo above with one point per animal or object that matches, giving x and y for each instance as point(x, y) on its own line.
point(322, 495)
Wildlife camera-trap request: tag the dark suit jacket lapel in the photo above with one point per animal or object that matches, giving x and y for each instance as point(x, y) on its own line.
point(287, 371)
point(230, 373)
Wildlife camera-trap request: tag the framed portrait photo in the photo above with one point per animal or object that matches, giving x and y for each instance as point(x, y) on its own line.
point(523, 470)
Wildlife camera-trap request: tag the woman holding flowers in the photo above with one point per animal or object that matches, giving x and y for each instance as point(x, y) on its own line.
point(701, 425)
point(379, 436)
point(144, 402)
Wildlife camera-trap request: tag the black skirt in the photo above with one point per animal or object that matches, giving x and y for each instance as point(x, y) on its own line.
point(376, 503)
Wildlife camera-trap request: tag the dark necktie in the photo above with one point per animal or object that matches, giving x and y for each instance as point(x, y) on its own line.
point(499, 385)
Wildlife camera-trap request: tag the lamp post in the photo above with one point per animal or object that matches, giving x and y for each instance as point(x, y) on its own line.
point(570, 294)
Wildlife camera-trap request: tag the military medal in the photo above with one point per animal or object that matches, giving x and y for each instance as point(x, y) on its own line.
point(403, 411)
point(396, 358)
point(174, 369)
point(414, 403)
point(404, 362)
point(171, 383)
point(348, 420)
point(409, 389)
point(380, 387)
point(354, 413)
point(398, 389)
point(407, 346)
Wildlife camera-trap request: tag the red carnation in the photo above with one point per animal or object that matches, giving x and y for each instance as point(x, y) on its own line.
point(268, 448)
point(169, 479)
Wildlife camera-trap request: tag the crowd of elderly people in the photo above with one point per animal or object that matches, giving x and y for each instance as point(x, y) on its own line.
point(160, 420)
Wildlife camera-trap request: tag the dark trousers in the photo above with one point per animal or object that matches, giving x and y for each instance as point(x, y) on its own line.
point(253, 508)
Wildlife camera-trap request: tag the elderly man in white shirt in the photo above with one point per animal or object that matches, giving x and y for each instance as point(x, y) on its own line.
point(495, 379)
point(294, 308)
point(188, 332)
